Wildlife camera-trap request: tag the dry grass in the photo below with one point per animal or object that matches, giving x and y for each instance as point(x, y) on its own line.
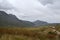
point(39, 33)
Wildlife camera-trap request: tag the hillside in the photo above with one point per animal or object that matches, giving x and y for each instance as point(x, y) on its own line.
point(40, 23)
point(12, 20)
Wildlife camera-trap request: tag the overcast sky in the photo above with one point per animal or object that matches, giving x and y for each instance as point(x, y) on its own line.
point(31, 10)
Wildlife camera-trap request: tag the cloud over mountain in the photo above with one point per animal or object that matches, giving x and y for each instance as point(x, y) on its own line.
point(46, 10)
point(5, 5)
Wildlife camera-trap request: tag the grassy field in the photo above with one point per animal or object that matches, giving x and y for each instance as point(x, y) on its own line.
point(37, 33)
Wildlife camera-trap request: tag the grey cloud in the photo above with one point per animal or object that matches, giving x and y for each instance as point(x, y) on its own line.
point(5, 5)
point(33, 10)
point(46, 10)
point(56, 5)
point(53, 4)
point(44, 2)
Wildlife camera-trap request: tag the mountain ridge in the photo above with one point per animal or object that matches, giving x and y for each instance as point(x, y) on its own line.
point(12, 20)
point(40, 23)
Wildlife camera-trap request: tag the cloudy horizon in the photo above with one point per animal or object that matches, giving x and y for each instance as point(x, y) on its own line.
point(31, 10)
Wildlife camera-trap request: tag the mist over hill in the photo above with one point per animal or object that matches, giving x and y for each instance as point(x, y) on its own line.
point(40, 23)
point(12, 20)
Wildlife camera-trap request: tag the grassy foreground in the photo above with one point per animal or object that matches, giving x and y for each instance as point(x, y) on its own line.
point(39, 33)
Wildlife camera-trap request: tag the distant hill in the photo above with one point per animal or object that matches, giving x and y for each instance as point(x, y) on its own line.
point(40, 23)
point(12, 20)
point(43, 23)
point(54, 24)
